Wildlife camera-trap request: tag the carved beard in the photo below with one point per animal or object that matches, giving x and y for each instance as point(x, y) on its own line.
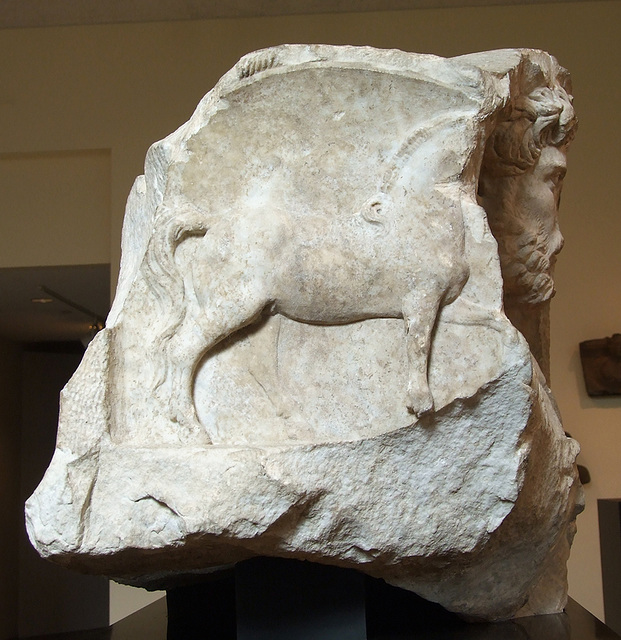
point(524, 246)
point(527, 270)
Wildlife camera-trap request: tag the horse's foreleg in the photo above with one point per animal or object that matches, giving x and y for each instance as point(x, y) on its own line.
point(420, 311)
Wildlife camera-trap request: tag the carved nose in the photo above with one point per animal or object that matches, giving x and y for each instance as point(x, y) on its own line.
point(557, 243)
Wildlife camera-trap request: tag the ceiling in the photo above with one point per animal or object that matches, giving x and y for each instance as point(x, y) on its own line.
point(46, 13)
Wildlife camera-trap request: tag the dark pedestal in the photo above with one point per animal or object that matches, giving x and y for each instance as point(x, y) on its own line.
point(205, 609)
point(270, 599)
point(609, 512)
point(284, 599)
point(275, 599)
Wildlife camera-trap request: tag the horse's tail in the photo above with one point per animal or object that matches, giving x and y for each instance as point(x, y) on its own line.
point(166, 280)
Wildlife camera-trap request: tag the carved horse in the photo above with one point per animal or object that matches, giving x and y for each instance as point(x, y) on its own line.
point(400, 255)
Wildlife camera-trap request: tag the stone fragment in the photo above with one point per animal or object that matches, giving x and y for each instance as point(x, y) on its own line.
point(308, 355)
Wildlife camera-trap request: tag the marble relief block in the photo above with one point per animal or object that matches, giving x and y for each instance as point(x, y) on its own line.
point(329, 340)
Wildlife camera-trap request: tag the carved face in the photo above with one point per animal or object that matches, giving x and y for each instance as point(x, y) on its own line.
point(523, 215)
point(538, 194)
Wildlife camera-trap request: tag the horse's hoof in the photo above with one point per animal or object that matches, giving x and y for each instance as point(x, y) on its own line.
point(420, 404)
point(283, 412)
point(190, 429)
point(194, 433)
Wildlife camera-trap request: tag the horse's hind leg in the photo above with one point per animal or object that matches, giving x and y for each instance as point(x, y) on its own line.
point(227, 283)
point(182, 349)
point(198, 334)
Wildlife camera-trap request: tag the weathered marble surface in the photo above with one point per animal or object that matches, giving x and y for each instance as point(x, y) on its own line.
point(308, 354)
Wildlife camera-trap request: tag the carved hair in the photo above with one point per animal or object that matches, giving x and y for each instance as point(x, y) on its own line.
point(526, 266)
point(545, 117)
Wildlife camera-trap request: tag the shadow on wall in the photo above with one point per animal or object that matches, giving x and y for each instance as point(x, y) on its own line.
point(51, 599)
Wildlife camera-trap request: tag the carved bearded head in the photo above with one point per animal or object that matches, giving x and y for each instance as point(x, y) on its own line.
point(520, 187)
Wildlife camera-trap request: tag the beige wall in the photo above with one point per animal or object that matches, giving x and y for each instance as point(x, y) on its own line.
point(42, 188)
point(121, 87)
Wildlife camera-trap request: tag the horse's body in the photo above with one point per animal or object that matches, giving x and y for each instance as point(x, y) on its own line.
point(317, 270)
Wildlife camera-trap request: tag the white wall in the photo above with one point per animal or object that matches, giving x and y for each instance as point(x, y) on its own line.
point(121, 87)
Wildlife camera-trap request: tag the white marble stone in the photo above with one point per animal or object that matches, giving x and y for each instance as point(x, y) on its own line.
point(308, 355)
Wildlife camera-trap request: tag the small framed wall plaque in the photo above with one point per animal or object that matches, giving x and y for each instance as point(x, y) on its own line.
point(601, 365)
